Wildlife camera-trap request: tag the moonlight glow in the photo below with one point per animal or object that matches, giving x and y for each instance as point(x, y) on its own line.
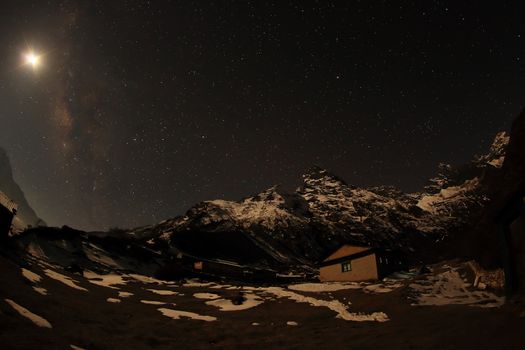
point(32, 59)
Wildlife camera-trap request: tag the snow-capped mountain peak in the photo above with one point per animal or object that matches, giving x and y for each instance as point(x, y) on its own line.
point(325, 212)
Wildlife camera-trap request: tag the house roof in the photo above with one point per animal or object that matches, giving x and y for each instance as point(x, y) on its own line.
point(346, 249)
point(348, 257)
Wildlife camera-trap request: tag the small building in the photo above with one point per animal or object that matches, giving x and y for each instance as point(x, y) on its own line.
point(189, 266)
point(357, 263)
point(8, 210)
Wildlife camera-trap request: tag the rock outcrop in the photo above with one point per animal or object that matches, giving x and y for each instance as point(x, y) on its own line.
point(499, 238)
point(26, 215)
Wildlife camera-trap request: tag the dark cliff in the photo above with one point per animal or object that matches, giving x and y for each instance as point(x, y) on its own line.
point(9, 186)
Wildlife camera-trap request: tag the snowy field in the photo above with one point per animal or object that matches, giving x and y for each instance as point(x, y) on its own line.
point(62, 307)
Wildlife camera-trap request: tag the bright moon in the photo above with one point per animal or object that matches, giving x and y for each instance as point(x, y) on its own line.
point(32, 59)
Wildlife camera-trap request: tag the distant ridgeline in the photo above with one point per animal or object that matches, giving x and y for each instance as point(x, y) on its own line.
point(25, 214)
point(302, 227)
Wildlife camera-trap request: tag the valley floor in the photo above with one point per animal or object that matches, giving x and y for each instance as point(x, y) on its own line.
point(42, 306)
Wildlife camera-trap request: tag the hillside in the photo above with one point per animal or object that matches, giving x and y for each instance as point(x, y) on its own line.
point(26, 215)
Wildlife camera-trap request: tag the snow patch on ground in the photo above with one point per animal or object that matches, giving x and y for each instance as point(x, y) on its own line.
point(113, 300)
point(334, 305)
point(149, 280)
point(31, 276)
point(251, 301)
point(209, 296)
point(292, 323)
point(113, 280)
point(68, 281)
point(382, 287)
point(197, 283)
point(38, 320)
point(124, 294)
point(249, 288)
point(152, 302)
point(163, 292)
point(40, 290)
point(109, 280)
point(224, 286)
point(177, 314)
point(449, 288)
point(324, 287)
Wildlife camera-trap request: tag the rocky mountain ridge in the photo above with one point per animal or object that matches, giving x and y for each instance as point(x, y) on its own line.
point(291, 230)
point(325, 212)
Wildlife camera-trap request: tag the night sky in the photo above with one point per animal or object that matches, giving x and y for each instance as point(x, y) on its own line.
point(138, 110)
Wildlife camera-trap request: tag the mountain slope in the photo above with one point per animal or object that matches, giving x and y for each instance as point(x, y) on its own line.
point(8, 185)
point(303, 226)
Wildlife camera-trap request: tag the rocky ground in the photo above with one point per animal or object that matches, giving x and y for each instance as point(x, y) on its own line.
point(44, 306)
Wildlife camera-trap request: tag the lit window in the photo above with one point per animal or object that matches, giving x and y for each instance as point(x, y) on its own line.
point(346, 266)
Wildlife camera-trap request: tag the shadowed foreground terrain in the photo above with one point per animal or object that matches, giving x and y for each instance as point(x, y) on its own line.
point(306, 316)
